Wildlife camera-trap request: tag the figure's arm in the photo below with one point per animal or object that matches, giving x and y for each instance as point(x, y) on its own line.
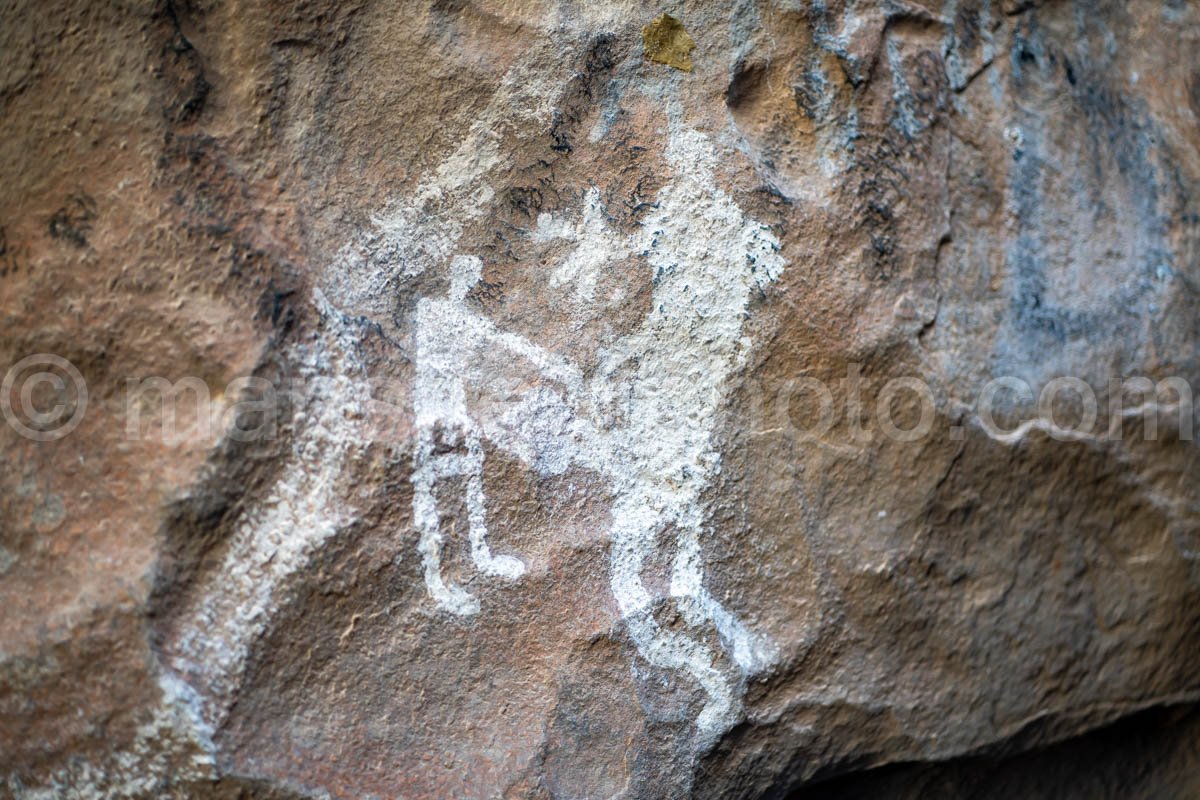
point(552, 366)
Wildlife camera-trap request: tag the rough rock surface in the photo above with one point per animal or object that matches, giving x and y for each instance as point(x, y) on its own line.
point(506, 339)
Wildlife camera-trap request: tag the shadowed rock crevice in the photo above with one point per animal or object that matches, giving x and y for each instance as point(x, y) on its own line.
point(1153, 753)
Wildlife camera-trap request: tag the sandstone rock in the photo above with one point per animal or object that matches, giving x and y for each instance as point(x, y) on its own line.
point(540, 420)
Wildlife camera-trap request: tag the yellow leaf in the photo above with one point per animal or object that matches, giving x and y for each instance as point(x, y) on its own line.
point(666, 42)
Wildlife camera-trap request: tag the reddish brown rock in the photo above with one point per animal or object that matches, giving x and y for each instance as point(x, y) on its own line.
point(477, 407)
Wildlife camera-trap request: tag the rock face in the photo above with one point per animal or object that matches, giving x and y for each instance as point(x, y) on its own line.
point(468, 399)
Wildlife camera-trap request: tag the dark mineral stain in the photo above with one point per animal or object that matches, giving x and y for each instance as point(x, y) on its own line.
point(1194, 93)
point(7, 263)
point(73, 222)
point(1115, 129)
point(582, 93)
point(182, 74)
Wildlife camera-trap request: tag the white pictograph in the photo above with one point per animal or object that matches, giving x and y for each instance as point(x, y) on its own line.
point(219, 624)
point(449, 336)
point(644, 420)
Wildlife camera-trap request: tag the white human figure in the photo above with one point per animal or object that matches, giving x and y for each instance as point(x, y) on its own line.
point(707, 259)
point(665, 384)
point(450, 338)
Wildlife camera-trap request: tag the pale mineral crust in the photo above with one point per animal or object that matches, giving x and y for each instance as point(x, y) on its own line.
point(513, 480)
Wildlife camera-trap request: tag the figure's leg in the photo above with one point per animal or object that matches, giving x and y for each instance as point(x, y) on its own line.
point(425, 518)
point(750, 652)
point(634, 529)
point(502, 566)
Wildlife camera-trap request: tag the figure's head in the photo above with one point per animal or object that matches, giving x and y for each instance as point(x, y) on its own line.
point(464, 274)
